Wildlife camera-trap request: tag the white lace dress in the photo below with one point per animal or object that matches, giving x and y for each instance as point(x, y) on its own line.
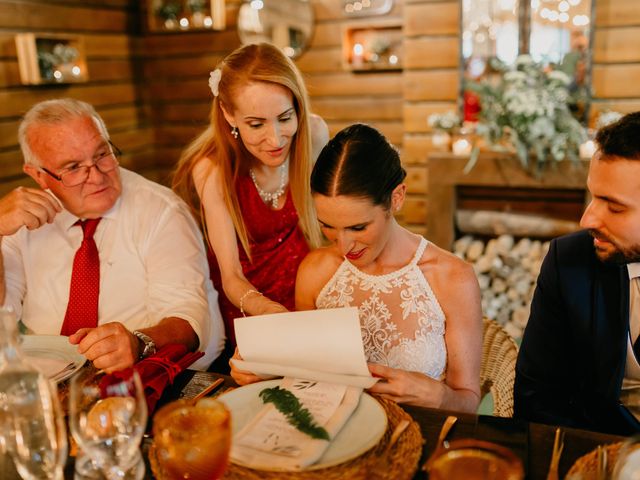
point(401, 320)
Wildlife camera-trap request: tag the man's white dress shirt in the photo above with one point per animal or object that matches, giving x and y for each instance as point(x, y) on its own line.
point(152, 266)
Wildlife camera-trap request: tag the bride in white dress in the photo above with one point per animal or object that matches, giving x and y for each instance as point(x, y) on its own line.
point(419, 305)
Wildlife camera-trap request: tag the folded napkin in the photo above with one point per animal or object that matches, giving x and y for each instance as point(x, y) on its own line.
point(270, 442)
point(158, 371)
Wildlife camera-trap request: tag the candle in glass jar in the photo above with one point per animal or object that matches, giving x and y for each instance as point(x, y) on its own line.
point(587, 149)
point(357, 56)
point(462, 146)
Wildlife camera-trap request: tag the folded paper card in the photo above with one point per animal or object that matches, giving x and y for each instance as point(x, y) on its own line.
point(270, 442)
point(322, 345)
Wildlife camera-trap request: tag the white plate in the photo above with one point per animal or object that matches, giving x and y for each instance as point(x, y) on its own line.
point(362, 431)
point(51, 354)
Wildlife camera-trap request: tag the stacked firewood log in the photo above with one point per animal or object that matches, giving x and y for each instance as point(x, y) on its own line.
point(507, 271)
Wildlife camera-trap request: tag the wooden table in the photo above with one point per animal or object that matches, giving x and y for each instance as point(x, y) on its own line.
point(530, 441)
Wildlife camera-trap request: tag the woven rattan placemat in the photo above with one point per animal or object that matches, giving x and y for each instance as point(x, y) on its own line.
point(397, 463)
point(588, 462)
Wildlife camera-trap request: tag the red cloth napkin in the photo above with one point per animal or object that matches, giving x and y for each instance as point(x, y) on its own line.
point(158, 371)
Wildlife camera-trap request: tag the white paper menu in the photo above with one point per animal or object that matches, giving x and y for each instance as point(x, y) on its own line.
point(269, 441)
point(322, 345)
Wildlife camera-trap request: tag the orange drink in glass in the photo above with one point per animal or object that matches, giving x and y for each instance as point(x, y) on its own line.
point(192, 440)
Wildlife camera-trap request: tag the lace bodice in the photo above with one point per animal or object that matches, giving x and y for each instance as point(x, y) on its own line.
point(401, 320)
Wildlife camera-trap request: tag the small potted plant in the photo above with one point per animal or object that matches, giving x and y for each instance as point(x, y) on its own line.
point(197, 9)
point(169, 11)
point(59, 63)
point(443, 125)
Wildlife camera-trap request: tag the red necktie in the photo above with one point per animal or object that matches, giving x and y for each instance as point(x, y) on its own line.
point(82, 309)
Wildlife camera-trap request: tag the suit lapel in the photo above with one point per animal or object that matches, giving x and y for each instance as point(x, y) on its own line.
point(610, 323)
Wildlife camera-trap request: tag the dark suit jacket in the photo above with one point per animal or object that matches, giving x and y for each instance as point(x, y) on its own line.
point(572, 358)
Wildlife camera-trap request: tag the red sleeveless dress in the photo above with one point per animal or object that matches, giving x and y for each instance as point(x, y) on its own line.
point(277, 248)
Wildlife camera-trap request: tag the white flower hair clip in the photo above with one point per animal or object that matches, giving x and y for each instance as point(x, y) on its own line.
point(214, 81)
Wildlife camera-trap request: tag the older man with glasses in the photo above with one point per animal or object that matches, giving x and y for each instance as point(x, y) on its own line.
point(99, 253)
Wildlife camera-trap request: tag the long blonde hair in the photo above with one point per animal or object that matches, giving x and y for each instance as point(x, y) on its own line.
point(251, 63)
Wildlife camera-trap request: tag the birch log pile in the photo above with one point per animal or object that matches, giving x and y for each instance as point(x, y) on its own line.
point(507, 272)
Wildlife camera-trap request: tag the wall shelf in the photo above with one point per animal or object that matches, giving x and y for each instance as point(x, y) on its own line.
point(51, 59)
point(372, 47)
point(171, 16)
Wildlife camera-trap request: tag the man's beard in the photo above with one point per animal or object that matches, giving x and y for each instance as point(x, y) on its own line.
point(619, 255)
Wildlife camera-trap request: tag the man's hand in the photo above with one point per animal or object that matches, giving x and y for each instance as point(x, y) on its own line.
point(30, 207)
point(110, 347)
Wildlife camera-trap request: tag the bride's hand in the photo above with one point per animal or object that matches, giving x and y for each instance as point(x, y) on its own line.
point(242, 377)
point(401, 386)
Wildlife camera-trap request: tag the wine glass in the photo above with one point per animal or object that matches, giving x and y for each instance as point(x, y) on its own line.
point(107, 417)
point(37, 426)
point(191, 440)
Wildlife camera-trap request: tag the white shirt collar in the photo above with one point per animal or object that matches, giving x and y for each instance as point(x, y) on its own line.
point(67, 220)
point(634, 270)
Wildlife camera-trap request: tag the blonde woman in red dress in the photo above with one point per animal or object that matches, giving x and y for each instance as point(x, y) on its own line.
point(247, 178)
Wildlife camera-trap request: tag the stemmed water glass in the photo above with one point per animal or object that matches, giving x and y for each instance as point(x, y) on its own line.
point(38, 434)
point(107, 417)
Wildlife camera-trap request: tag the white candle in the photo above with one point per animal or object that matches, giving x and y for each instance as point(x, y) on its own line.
point(461, 147)
point(357, 55)
point(587, 149)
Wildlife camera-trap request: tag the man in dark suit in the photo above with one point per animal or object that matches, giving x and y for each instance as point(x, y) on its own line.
point(577, 365)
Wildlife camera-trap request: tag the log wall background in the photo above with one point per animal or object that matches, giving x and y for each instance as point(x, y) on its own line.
point(152, 88)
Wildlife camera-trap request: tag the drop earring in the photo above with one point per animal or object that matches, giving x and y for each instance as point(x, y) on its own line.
point(234, 132)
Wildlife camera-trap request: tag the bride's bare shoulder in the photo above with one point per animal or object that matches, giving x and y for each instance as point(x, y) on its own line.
point(323, 260)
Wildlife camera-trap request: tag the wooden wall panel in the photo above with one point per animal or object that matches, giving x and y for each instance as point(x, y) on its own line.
point(615, 13)
point(321, 60)
point(616, 70)
point(414, 210)
point(434, 85)
point(432, 52)
point(362, 108)
point(416, 148)
point(345, 84)
point(326, 35)
point(429, 18)
point(416, 179)
point(616, 81)
point(52, 17)
point(617, 45)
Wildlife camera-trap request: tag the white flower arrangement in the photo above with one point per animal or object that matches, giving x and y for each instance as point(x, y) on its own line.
point(606, 118)
point(528, 108)
point(447, 121)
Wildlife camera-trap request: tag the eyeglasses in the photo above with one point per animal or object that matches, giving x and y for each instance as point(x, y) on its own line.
point(73, 176)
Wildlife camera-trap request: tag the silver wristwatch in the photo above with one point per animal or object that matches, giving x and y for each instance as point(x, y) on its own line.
point(147, 341)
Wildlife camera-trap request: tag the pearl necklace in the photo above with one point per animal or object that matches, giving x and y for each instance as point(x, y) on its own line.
point(271, 196)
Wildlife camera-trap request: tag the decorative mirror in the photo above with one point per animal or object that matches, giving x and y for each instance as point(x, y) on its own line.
point(287, 24)
point(555, 33)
